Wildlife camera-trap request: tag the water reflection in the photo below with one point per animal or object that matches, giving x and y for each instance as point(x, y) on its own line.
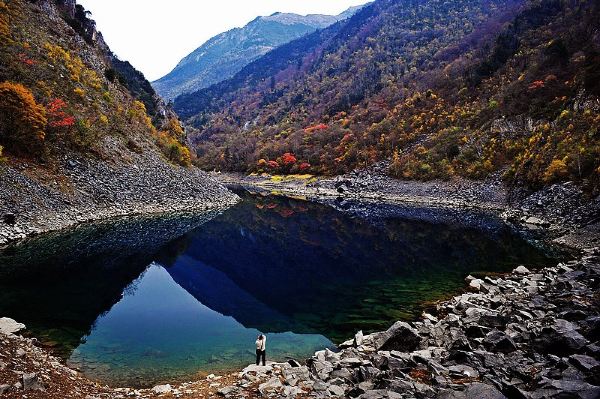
point(306, 272)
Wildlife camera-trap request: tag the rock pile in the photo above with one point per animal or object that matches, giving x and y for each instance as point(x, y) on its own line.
point(84, 190)
point(526, 335)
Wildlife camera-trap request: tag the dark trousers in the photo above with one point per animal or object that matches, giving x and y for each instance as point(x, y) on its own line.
point(261, 354)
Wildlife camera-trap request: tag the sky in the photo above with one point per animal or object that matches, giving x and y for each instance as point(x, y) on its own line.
point(155, 35)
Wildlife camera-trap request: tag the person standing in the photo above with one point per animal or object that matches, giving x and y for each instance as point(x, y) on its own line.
point(261, 349)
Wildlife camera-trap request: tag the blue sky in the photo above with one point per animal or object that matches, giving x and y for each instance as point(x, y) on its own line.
point(155, 35)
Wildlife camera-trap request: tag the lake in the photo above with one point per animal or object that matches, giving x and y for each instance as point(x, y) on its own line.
point(146, 300)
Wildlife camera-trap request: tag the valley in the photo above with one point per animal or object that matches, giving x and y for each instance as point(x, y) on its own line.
point(403, 197)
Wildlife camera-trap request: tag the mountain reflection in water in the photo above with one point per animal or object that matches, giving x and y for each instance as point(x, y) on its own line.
point(142, 301)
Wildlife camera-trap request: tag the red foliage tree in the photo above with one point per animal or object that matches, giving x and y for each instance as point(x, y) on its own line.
point(57, 116)
point(288, 159)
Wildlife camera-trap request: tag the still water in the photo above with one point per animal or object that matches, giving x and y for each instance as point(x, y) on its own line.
point(148, 300)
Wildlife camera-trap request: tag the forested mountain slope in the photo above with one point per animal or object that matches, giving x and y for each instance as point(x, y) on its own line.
point(82, 134)
point(224, 55)
point(461, 88)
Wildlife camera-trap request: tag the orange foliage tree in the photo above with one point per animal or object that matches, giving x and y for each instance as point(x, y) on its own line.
point(22, 119)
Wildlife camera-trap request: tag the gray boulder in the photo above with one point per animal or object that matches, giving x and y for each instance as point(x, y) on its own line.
point(9, 326)
point(561, 339)
point(31, 382)
point(400, 337)
point(475, 390)
point(585, 363)
point(497, 341)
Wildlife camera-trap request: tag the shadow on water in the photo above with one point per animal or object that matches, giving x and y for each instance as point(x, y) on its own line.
point(149, 299)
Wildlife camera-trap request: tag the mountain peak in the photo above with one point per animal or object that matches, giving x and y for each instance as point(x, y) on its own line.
point(224, 55)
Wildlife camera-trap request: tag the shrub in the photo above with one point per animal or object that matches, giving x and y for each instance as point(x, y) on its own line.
point(22, 120)
point(173, 149)
point(79, 92)
point(57, 116)
point(555, 171)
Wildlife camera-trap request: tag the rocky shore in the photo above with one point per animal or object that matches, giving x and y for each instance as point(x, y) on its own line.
point(529, 334)
point(559, 214)
point(78, 189)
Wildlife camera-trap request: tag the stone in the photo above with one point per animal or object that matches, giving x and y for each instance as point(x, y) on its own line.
point(497, 341)
point(162, 389)
point(584, 362)
point(336, 390)
point(229, 391)
point(342, 373)
point(374, 394)
point(4, 388)
point(560, 339)
point(257, 369)
point(320, 386)
point(400, 337)
point(575, 389)
point(534, 221)
point(273, 384)
point(462, 371)
point(358, 339)
point(474, 390)
point(476, 284)
point(10, 326)
point(32, 382)
point(521, 270)
point(478, 390)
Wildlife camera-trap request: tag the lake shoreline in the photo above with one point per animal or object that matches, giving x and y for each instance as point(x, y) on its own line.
point(77, 190)
point(558, 215)
point(359, 369)
point(416, 358)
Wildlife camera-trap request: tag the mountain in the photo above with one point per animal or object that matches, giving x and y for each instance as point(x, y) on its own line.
point(443, 89)
point(83, 135)
point(225, 54)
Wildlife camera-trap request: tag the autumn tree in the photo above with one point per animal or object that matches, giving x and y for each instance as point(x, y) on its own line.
point(4, 22)
point(22, 119)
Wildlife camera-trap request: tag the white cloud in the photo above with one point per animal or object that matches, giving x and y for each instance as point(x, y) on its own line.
point(155, 35)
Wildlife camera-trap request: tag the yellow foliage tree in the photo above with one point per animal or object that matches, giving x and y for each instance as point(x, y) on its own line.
point(22, 120)
point(555, 171)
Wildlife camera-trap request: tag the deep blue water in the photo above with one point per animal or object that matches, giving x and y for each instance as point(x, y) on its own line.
point(148, 300)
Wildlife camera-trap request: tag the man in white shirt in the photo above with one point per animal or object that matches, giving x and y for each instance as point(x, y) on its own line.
point(261, 349)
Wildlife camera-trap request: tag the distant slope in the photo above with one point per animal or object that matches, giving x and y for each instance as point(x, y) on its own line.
point(444, 89)
point(225, 54)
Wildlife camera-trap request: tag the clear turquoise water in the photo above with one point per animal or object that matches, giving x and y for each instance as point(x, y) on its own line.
point(150, 300)
point(158, 328)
